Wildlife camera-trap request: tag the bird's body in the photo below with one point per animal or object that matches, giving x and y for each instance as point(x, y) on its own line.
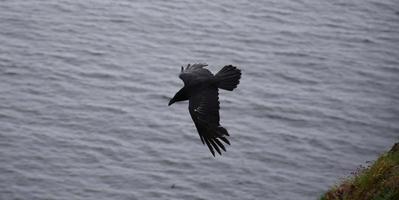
point(201, 88)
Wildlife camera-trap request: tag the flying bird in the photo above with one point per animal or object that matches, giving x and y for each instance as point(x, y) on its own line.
point(201, 89)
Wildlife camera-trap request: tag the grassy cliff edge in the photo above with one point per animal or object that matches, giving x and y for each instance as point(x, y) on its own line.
point(379, 181)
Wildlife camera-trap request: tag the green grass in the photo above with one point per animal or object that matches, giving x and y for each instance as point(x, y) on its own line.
point(379, 181)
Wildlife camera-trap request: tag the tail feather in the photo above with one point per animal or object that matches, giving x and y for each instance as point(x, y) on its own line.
point(228, 77)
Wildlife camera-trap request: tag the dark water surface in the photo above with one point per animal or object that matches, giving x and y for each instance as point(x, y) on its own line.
point(84, 87)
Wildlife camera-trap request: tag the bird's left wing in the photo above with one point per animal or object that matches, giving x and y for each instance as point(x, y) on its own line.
point(194, 73)
point(204, 110)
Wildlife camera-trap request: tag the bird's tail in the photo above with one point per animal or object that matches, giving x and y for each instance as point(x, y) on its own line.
point(228, 77)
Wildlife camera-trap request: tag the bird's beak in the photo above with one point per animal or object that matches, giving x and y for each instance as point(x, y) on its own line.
point(171, 102)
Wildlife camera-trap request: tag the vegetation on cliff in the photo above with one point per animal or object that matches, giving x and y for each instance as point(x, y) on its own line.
point(379, 181)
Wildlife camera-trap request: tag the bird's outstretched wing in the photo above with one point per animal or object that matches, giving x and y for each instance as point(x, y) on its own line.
point(195, 73)
point(204, 110)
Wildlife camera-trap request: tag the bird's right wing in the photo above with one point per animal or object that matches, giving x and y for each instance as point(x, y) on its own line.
point(194, 73)
point(204, 110)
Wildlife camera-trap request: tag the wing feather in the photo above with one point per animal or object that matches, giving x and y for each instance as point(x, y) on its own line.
point(204, 110)
point(194, 74)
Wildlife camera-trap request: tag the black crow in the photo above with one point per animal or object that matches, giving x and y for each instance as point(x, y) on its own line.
point(201, 89)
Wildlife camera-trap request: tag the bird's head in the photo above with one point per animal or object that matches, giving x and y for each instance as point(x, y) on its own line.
point(181, 95)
